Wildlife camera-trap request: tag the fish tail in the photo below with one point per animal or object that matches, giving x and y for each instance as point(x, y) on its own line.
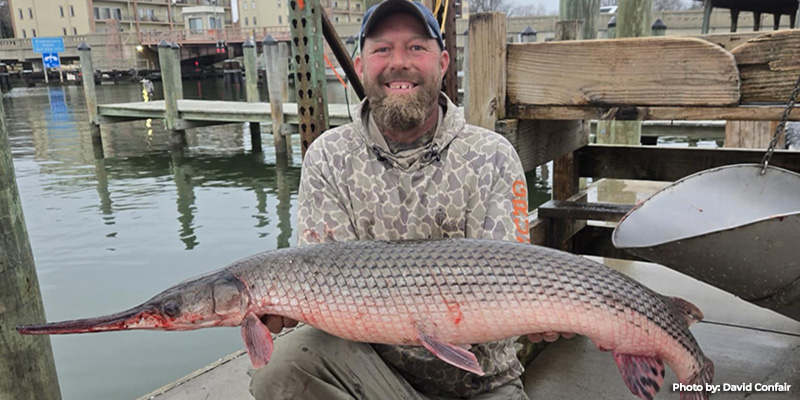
point(702, 377)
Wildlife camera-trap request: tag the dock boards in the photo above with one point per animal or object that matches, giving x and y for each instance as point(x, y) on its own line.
point(639, 71)
point(769, 66)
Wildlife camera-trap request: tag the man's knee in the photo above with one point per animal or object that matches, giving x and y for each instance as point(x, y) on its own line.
point(300, 355)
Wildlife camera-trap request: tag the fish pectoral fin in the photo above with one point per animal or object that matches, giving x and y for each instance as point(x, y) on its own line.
point(643, 375)
point(451, 354)
point(257, 340)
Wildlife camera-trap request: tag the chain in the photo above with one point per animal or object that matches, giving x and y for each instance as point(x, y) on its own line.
point(781, 125)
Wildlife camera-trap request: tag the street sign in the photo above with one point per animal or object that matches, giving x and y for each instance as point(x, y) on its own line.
point(48, 45)
point(51, 60)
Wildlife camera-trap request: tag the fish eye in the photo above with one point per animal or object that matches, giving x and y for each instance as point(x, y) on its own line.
point(171, 308)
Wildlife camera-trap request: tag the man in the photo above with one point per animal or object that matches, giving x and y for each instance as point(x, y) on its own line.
point(408, 167)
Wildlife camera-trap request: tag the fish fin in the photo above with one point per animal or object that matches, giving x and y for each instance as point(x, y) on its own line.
point(643, 375)
point(451, 354)
point(689, 311)
point(257, 340)
point(702, 377)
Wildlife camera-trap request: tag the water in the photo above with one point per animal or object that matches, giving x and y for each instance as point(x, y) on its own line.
point(107, 234)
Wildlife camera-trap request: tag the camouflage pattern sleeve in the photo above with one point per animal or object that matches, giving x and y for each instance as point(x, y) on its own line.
point(321, 215)
point(507, 212)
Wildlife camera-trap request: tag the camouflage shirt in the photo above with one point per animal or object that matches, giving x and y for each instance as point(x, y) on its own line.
point(465, 182)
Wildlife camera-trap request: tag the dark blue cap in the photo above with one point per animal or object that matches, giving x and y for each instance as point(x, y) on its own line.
point(388, 7)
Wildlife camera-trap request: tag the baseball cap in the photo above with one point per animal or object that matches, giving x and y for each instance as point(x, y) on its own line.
point(387, 7)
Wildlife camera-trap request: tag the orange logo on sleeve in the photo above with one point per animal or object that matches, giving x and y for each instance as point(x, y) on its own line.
point(520, 214)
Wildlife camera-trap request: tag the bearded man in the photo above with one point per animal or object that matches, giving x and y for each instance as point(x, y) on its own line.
point(408, 167)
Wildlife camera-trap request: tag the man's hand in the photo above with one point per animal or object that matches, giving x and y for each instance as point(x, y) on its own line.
point(276, 323)
point(549, 336)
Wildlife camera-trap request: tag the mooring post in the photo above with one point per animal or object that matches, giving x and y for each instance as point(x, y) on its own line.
point(171, 85)
point(27, 368)
point(251, 89)
point(612, 28)
point(659, 28)
point(176, 64)
point(587, 11)
point(90, 94)
point(277, 72)
point(633, 20)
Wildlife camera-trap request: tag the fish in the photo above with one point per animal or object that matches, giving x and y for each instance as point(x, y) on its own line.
point(443, 294)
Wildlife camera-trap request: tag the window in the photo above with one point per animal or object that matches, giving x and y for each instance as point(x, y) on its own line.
point(106, 12)
point(335, 5)
point(254, 21)
point(336, 19)
point(214, 23)
point(196, 25)
point(118, 14)
point(30, 13)
point(253, 7)
point(20, 14)
point(97, 13)
point(358, 6)
point(61, 11)
point(151, 14)
point(71, 11)
point(280, 19)
point(24, 34)
point(279, 3)
point(244, 5)
point(33, 32)
point(141, 14)
point(246, 21)
point(75, 31)
point(64, 30)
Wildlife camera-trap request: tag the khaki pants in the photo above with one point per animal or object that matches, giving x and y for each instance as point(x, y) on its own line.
point(311, 364)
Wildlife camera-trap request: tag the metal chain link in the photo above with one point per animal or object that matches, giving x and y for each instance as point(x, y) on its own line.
point(781, 125)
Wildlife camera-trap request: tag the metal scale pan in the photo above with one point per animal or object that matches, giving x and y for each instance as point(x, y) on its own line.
point(730, 227)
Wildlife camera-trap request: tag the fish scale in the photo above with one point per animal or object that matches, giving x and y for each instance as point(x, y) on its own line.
point(442, 294)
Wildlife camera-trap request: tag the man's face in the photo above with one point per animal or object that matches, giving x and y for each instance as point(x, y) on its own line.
point(401, 67)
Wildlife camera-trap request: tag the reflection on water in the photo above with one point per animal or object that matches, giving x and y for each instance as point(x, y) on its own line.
point(109, 233)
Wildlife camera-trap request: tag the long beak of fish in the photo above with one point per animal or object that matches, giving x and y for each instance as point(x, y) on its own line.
point(140, 317)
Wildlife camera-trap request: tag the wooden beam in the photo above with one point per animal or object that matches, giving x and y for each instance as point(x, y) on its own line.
point(487, 67)
point(729, 41)
point(583, 210)
point(540, 141)
point(669, 164)
point(643, 113)
point(634, 71)
point(769, 66)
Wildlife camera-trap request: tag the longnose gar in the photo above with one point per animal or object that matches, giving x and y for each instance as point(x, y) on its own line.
point(441, 294)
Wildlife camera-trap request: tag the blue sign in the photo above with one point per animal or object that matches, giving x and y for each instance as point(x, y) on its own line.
point(48, 45)
point(51, 60)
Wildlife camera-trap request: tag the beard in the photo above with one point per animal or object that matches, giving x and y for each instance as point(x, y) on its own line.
point(402, 112)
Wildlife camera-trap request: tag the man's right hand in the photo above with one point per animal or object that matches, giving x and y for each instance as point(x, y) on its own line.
point(276, 323)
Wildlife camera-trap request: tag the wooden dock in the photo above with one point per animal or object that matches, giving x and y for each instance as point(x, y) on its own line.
point(211, 112)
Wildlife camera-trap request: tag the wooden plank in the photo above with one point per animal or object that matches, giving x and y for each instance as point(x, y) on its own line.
point(634, 71)
point(669, 164)
point(631, 113)
point(769, 66)
point(487, 60)
point(730, 41)
point(582, 210)
point(540, 141)
point(751, 134)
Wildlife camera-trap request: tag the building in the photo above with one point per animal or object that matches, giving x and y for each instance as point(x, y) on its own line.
point(253, 13)
point(32, 18)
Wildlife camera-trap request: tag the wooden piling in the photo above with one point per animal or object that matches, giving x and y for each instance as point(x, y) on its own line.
point(587, 11)
point(277, 73)
point(176, 65)
point(633, 20)
point(27, 368)
point(89, 90)
point(487, 60)
point(172, 86)
point(251, 90)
